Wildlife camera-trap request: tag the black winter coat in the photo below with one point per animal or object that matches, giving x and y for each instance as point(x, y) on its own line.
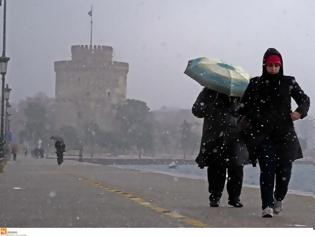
point(60, 146)
point(220, 135)
point(266, 106)
point(268, 115)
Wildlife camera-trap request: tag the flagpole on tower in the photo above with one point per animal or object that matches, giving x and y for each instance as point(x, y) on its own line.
point(90, 13)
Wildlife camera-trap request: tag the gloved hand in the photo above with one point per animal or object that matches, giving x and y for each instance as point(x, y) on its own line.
point(200, 161)
point(201, 166)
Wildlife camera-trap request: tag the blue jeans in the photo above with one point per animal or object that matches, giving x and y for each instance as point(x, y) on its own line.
point(275, 171)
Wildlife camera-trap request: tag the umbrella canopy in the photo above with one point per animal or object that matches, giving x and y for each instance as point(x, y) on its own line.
point(56, 138)
point(218, 76)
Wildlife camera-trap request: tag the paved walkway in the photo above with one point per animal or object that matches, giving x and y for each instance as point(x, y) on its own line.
point(38, 193)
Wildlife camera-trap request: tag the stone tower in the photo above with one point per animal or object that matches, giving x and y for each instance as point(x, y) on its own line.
point(88, 87)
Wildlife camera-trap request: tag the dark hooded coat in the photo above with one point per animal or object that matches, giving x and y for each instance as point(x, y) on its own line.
point(220, 135)
point(60, 146)
point(266, 108)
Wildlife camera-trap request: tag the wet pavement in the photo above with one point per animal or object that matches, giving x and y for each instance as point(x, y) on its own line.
point(39, 193)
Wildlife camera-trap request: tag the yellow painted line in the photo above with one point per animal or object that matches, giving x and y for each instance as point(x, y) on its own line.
point(175, 215)
point(172, 214)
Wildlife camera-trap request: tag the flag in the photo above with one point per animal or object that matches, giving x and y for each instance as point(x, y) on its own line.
point(90, 12)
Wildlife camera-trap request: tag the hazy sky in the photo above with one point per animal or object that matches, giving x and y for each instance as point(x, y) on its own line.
point(157, 38)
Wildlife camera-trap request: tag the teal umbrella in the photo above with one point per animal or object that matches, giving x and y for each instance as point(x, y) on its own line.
point(218, 76)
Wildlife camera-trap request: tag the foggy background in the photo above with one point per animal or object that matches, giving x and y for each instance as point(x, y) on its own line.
point(157, 38)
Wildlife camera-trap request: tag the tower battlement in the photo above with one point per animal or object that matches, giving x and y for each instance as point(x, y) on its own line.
point(92, 53)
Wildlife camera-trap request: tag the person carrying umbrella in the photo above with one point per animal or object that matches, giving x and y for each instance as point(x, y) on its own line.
point(221, 147)
point(60, 148)
point(267, 121)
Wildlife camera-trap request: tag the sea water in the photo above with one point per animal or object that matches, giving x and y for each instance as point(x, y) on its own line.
point(302, 179)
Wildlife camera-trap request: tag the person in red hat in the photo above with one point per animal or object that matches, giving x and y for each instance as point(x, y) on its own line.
point(267, 122)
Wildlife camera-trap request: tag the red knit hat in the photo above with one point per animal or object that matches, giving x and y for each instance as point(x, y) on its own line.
point(273, 59)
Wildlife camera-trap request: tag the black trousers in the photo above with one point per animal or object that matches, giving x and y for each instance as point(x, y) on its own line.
point(217, 170)
point(275, 174)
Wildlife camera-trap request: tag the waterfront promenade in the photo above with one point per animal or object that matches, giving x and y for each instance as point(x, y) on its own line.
point(38, 193)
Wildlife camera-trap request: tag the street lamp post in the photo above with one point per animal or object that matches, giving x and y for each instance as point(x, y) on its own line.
point(3, 70)
point(7, 126)
point(7, 91)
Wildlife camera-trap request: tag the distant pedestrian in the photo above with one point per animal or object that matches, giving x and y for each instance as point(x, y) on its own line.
point(221, 148)
point(269, 132)
point(14, 151)
point(81, 152)
point(60, 148)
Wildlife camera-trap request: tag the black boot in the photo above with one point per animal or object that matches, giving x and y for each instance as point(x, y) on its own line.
point(214, 203)
point(214, 200)
point(236, 204)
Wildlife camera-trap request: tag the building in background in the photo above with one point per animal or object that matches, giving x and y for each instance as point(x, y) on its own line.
point(88, 87)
